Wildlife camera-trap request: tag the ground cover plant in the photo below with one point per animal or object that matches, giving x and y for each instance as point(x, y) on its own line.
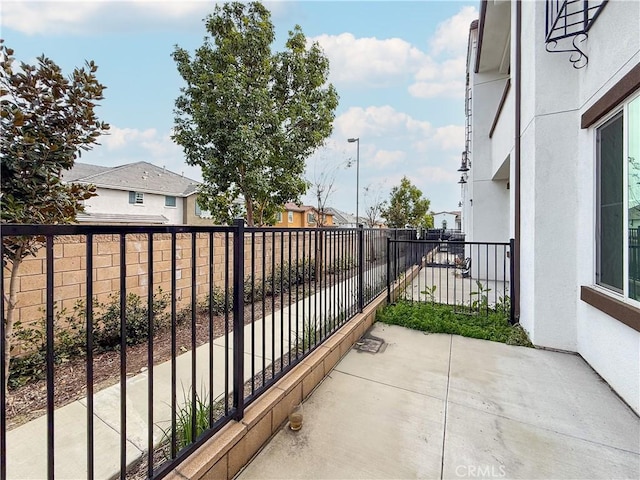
point(438, 318)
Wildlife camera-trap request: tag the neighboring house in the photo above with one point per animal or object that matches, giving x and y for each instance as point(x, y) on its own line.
point(447, 220)
point(342, 219)
point(138, 193)
point(551, 159)
point(301, 216)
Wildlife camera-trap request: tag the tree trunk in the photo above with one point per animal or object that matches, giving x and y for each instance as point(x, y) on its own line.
point(9, 319)
point(249, 206)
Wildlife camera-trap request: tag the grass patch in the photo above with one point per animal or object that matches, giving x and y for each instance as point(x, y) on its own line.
point(436, 318)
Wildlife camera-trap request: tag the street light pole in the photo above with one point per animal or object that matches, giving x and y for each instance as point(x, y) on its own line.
point(357, 141)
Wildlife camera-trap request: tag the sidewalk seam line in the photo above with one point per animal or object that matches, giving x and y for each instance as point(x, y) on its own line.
point(386, 384)
point(446, 404)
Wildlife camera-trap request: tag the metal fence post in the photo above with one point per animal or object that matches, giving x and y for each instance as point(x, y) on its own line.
point(389, 269)
point(238, 318)
point(360, 267)
point(512, 286)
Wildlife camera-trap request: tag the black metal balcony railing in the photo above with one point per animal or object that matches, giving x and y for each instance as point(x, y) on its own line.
point(253, 303)
point(473, 277)
point(571, 19)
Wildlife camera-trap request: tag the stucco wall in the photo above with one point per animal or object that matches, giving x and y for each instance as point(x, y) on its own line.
point(558, 193)
point(558, 185)
point(117, 201)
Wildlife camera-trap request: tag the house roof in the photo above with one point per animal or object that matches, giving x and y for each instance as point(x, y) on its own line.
point(290, 206)
point(121, 218)
point(340, 217)
point(140, 177)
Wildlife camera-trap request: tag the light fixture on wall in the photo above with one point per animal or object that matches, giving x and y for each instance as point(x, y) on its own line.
point(464, 165)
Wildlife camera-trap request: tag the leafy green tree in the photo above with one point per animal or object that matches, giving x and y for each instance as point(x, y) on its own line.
point(406, 206)
point(46, 120)
point(249, 117)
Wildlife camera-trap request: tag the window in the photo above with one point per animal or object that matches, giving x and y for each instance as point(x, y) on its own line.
point(136, 198)
point(169, 201)
point(279, 217)
point(198, 212)
point(311, 218)
point(618, 202)
point(290, 217)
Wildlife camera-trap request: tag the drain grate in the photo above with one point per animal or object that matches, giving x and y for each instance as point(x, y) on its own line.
point(370, 344)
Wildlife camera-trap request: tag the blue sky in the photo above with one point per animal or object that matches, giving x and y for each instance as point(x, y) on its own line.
point(399, 69)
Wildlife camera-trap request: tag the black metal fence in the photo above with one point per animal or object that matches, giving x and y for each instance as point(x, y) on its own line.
point(473, 277)
point(199, 323)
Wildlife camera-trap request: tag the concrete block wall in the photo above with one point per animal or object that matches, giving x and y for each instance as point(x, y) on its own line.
point(70, 263)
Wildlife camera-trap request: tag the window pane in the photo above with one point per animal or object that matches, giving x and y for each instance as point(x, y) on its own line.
point(610, 211)
point(633, 135)
point(169, 201)
point(132, 197)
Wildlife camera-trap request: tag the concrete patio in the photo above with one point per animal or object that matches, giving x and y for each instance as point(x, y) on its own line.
point(443, 406)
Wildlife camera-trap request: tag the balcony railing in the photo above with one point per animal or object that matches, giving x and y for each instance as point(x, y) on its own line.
point(567, 18)
point(571, 19)
point(196, 322)
point(473, 277)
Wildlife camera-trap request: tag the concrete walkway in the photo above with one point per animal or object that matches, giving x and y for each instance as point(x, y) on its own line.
point(443, 406)
point(27, 444)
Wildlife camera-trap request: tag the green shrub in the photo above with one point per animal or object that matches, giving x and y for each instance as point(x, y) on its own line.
point(437, 318)
point(220, 304)
point(107, 322)
point(70, 333)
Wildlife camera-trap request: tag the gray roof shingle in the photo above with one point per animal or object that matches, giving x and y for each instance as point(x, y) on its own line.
point(140, 177)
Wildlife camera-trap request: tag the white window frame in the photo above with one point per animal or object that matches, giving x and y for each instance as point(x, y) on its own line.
point(175, 201)
point(622, 107)
point(279, 217)
point(290, 217)
point(138, 198)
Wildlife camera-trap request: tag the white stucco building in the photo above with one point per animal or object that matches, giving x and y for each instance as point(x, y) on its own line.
point(552, 160)
point(447, 220)
point(137, 193)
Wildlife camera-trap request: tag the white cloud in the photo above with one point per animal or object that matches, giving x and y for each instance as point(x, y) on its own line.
point(386, 158)
point(451, 89)
point(378, 121)
point(370, 60)
point(451, 35)
point(48, 17)
point(374, 62)
point(128, 145)
point(118, 138)
point(436, 174)
point(446, 78)
point(449, 137)
point(78, 17)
